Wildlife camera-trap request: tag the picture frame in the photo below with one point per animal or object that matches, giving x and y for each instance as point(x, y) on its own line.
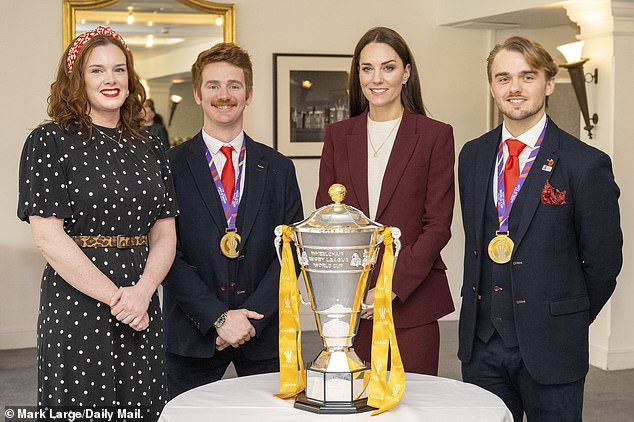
point(309, 93)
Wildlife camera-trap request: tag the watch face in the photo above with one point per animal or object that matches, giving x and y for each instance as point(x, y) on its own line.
point(221, 320)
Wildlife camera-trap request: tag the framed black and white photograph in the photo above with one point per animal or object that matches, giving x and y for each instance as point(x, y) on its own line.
point(309, 94)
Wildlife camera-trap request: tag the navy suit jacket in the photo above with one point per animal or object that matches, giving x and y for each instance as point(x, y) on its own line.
point(192, 289)
point(566, 257)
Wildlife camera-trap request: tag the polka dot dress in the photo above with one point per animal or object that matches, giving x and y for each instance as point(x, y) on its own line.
point(99, 183)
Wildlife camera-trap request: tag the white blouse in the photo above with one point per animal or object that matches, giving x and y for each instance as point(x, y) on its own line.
point(381, 137)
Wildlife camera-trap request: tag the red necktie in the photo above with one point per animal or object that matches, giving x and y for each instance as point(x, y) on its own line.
point(228, 172)
point(512, 167)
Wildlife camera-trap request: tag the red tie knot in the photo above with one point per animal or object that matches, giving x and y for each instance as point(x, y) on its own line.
point(227, 150)
point(515, 147)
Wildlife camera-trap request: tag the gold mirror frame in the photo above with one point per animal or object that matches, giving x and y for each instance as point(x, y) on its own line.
point(226, 10)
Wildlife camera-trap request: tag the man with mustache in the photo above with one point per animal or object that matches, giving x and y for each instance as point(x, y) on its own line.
point(221, 294)
point(543, 245)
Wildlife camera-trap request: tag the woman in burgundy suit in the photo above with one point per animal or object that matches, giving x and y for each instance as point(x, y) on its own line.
point(397, 165)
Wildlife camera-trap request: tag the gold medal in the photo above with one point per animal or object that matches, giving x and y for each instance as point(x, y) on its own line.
point(501, 248)
point(230, 243)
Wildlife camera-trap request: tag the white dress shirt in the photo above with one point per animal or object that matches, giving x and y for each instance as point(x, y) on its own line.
point(528, 138)
point(219, 159)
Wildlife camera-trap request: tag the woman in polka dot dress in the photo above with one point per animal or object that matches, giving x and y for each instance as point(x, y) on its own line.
point(98, 194)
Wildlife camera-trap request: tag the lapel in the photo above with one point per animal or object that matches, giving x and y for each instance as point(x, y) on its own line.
point(202, 177)
point(357, 146)
point(482, 178)
point(530, 195)
point(256, 175)
point(402, 150)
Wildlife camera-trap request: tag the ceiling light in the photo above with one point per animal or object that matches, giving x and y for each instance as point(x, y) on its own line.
point(219, 21)
point(130, 18)
point(149, 40)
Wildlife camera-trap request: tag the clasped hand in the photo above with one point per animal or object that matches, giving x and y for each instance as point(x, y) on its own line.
point(129, 305)
point(367, 309)
point(237, 328)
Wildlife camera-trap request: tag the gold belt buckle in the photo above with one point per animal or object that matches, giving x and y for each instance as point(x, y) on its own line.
point(119, 244)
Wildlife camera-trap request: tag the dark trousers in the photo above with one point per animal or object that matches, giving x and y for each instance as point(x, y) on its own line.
point(501, 370)
point(185, 373)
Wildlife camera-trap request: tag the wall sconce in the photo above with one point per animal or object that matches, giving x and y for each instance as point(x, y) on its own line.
point(574, 64)
point(175, 100)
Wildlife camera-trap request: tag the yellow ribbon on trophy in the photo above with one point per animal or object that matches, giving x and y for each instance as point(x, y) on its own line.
point(291, 382)
point(385, 395)
point(358, 299)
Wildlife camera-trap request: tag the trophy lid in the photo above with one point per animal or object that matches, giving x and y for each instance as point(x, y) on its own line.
point(337, 217)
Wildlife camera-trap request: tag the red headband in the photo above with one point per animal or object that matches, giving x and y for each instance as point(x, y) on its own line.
point(87, 36)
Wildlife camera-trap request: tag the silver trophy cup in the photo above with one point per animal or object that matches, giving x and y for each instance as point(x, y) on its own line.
point(337, 247)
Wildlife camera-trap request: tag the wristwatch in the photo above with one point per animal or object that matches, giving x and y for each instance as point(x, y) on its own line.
point(221, 320)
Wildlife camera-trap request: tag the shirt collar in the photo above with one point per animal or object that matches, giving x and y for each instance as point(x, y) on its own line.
point(214, 144)
point(530, 136)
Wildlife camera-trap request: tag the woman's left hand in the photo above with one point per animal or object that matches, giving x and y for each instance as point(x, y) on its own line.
point(131, 304)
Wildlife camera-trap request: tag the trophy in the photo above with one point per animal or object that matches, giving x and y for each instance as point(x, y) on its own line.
point(337, 247)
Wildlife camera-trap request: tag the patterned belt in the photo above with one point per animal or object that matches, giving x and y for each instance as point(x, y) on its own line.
point(120, 242)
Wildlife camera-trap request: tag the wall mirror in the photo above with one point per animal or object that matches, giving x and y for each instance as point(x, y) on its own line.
point(165, 37)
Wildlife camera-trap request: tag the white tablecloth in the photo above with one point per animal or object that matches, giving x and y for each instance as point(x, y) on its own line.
point(251, 399)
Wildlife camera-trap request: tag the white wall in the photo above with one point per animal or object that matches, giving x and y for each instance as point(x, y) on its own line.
point(452, 11)
point(31, 48)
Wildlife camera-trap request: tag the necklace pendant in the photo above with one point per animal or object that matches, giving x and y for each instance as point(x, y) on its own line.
point(376, 154)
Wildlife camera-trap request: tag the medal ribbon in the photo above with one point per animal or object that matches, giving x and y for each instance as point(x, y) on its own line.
point(504, 210)
point(290, 345)
point(231, 209)
point(382, 395)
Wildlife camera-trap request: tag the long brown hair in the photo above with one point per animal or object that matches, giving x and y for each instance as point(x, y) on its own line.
point(411, 97)
point(68, 104)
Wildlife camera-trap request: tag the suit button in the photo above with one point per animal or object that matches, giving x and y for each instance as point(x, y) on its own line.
point(497, 288)
point(517, 262)
point(520, 301)
point(475, 252)
point(473, 288)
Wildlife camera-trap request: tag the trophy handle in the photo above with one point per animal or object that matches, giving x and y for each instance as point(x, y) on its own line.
point(278, 250)
point(301, 299)
point(396, 234)
point(278, 243)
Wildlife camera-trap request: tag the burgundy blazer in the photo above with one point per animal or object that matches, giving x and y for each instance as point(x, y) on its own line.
point(417, 196)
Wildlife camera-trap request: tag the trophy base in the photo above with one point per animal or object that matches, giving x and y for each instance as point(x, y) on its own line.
point(332, 408)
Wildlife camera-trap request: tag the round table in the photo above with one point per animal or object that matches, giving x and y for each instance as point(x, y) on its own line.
point(426, 398)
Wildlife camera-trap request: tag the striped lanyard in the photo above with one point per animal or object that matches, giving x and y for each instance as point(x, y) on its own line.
point(504, 210)
point(230, 208)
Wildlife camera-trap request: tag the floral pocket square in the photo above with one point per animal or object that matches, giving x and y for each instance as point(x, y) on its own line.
point(553, 196)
